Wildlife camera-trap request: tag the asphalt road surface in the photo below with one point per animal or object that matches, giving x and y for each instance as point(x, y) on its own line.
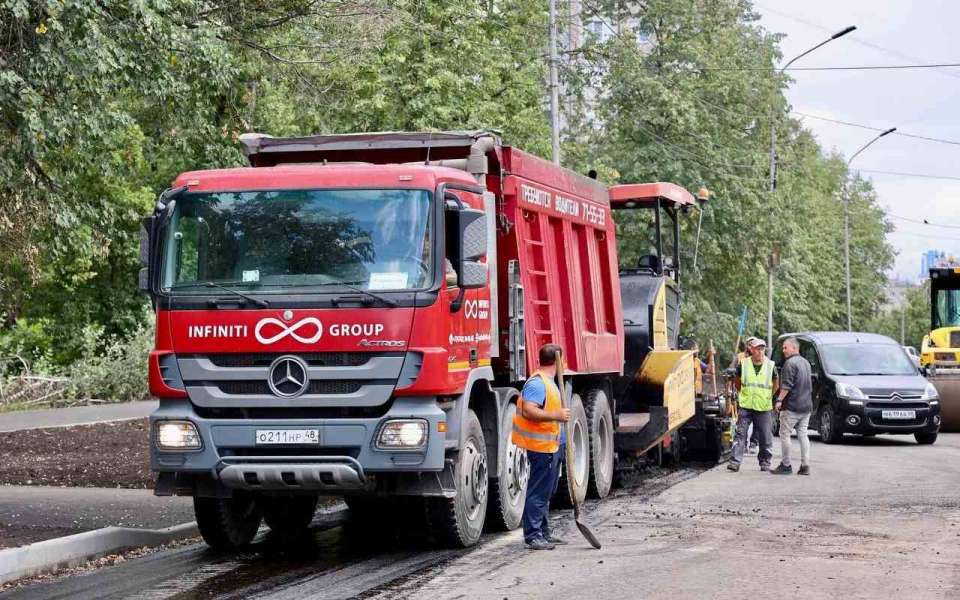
point(879, 517)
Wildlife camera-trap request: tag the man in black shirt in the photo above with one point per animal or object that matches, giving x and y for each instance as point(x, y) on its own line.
point(795, 402)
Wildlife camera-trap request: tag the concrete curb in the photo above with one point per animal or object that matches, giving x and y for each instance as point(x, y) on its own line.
point(74, 550)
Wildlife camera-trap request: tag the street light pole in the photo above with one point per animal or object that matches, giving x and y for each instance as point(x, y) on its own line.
point(554, 85)
point(772, 185)
point(846, 223)
point(773, 129)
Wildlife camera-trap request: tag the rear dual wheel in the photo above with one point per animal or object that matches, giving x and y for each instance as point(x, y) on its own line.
point(508, 491)
point(600, 423)
point(580, 440)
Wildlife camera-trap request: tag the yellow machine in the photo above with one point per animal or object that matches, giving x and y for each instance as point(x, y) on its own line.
point(940, 352)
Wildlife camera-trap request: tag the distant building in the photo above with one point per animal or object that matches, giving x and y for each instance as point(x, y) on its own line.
point(936, 258)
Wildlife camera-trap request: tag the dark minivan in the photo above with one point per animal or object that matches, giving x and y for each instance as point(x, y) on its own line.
point(865, 383)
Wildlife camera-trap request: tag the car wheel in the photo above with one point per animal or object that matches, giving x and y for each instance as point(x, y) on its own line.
point(925, 438)
point(829, 431)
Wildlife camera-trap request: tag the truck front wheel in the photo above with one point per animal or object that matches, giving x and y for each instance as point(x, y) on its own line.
point(290, 515)
point(228, 523)
point(458, 521)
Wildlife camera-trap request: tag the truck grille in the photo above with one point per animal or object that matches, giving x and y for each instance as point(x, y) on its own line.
point(314, 359)
point(336, 379)
point(253, 387)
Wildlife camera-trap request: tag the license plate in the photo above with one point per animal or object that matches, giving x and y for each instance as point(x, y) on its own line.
point(287, 436)
point(899, 414)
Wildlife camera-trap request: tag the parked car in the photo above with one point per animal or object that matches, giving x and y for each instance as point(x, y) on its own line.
point(913, 354)
point(865, 384)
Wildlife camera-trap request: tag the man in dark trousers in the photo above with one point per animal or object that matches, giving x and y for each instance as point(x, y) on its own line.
point(757, 383)
point(538, 428)
point(794, 402)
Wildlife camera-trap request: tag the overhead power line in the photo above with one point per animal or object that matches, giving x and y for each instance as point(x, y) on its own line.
point(902, 174)
point(922, 222)
point(861, 126)
point(837, 68)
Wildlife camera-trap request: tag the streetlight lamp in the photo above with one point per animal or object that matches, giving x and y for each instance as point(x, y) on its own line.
point(773, 169)
point(846, 222)
point(773, 129)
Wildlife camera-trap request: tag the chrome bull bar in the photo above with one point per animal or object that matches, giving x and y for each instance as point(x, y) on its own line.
point(291, 473)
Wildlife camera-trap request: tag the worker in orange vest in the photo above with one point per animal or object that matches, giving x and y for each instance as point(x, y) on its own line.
point(537, 428)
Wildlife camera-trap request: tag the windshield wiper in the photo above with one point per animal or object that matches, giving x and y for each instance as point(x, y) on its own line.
point(352, 285)
point(257, 301)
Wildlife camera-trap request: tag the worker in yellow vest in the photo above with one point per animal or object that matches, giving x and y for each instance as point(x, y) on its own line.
point(537, 428)
point(757, 383)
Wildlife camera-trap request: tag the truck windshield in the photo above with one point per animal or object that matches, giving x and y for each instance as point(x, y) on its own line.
point(866, 359)
point(946, 308)
point(271, 241)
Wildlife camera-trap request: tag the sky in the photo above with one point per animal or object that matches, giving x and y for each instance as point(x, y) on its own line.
point(921, 101)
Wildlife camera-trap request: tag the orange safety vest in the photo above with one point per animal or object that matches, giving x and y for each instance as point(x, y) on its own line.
point(538, 436)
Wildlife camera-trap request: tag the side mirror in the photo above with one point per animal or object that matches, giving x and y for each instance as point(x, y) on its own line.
point(473, 234)
point(472, 228)
point(146, 224)
point(474, 274)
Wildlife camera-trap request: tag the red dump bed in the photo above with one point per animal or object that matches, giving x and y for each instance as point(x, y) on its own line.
point(556, 226)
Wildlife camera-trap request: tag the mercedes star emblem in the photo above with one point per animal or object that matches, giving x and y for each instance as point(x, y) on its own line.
point(288, 377)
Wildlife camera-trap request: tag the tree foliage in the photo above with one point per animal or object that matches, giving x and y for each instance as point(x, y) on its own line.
point(103, 103)
point(689, 93)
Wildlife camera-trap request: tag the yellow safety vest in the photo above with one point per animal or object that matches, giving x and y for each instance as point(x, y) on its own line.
point(538, 436)
point(756, 388)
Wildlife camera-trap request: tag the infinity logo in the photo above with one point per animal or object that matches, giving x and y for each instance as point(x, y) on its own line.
point(291, 330)
point(471, 310)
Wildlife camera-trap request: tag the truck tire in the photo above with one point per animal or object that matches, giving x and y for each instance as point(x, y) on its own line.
point(828, 427)
point(289, 515)
point(581, 456)
point(600, 420)
point(925, 438)
point(228, 523)
point(508, 491)
point(458, 522)
point(365, 507)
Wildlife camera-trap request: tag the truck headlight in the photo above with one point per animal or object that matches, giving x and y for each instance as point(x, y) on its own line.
point(177, 435)
point(403, 434)
point(851, 392)
point(930, 392)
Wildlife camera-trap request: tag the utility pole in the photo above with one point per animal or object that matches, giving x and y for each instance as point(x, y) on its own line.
point(903, 324)
point(773, 262)
point(846, 222)
point(772, 184)
point(554, 86)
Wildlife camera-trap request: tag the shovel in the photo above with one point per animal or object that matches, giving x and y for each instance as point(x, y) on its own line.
point(571, 477)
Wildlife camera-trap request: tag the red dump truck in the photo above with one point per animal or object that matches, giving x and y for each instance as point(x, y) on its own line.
point(353, 315)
